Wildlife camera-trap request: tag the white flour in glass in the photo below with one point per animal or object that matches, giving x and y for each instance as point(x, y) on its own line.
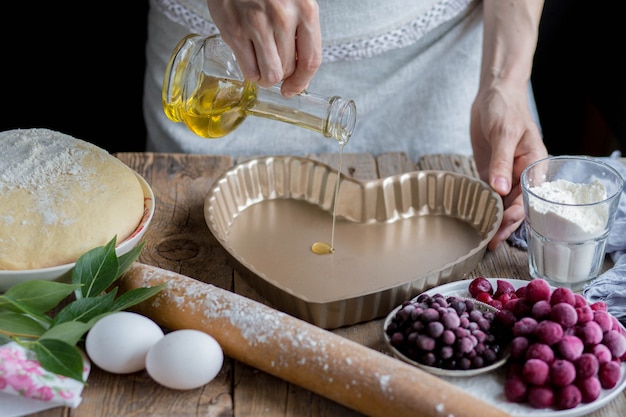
point(568, 229)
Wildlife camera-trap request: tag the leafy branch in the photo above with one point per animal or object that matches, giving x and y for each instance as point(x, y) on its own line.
point(26, 308)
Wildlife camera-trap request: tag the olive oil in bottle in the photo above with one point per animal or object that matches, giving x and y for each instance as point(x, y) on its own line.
point(204, 88)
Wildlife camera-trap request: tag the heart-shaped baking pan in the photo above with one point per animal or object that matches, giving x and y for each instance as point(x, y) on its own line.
point(393, 238)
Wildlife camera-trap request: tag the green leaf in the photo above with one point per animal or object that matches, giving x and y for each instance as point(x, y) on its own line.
point(84, 309)
point(70, 332)
point(127, 259)
point(23, 308)
point(17, 307)
point(36, 296)
point(96, 270)
point(60, 358)
point(135, 296)
point(17, 324)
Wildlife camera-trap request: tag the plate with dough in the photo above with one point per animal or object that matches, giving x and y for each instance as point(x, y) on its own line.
point(8, 278)
point(61, 197)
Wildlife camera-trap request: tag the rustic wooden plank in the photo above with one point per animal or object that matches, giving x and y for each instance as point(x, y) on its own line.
point(504, 262)
point(358, 166)
point(449, 162)
point(179, 240)
point(394, 163)
point(615, 408)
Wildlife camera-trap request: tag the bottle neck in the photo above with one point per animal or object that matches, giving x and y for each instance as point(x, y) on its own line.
point(333, 117)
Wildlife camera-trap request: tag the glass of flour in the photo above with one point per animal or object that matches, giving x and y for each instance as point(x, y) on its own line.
point(570, 204)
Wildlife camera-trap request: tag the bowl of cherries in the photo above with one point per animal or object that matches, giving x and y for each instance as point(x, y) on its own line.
point(564, 350)
point(447, 335)
point(558, 350)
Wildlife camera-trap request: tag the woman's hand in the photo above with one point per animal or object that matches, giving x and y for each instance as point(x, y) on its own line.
point(273, 40)
point(505, 139)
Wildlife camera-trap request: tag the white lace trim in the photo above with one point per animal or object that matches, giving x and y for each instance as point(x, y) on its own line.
point(408, 34)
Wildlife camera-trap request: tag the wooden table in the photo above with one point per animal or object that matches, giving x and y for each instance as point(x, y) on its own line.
point(178, 240)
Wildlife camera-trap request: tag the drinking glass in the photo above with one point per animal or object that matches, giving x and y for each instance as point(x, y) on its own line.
point(570, 203)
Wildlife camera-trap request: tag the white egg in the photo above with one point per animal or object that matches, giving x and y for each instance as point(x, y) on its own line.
point(119, 342)
point(185, 359)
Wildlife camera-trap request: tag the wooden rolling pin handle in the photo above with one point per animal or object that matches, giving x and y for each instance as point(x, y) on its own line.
point(351, 374)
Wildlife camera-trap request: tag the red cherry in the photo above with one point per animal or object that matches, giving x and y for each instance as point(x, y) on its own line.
point(484, 297)
point(599, 306)
point(505, 298)
point(503, 287)
point(480, 285)
point(510, 305)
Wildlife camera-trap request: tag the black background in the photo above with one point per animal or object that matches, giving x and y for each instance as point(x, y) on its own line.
point(579, 77)
point(76, 67)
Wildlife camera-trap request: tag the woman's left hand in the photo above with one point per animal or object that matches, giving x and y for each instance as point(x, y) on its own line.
point(505, 139)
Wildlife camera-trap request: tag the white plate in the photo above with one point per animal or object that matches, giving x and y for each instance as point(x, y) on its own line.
point(489, 386)
point(8, 278)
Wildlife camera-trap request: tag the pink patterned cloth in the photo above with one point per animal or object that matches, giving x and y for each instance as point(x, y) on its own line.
point(21, 375)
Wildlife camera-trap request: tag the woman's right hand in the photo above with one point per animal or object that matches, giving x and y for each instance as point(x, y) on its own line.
point(273, 40)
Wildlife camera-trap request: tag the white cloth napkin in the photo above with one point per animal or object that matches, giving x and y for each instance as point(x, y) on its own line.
point(610, 286)
point(26, 387)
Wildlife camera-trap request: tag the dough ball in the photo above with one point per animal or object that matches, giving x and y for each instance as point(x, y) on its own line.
point(61, 197)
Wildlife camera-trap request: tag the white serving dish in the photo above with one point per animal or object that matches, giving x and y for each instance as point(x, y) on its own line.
point(8, 278)
point(502, 358)
point(489, 386)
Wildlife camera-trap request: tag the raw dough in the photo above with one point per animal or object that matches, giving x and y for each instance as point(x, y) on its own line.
point(61, 197)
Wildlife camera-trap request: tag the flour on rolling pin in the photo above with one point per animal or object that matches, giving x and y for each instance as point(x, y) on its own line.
point(351, 374)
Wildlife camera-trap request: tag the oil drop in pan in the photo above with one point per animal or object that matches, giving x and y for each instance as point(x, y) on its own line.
point(324, 248)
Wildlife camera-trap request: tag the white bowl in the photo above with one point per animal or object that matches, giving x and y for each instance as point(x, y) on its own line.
point(502, 356)
point(8, 278)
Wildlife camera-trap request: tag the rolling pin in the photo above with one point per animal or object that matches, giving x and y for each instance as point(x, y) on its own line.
point(301, 353)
